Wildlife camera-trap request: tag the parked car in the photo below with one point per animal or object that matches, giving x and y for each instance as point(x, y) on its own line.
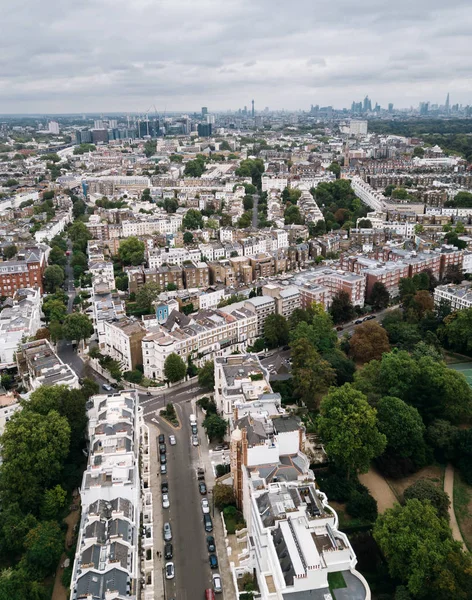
point(194, 429)
point(107, 387)
point(207, 522)
point(163, 469)
point(172, 440)
point(164, 487)
point(339, 328)
point(202, 488)
point(162, 438)
point(194, 440)
point(163, 459)
point(170, 570)
point(218, 448)
point(167, 532)
point(200, 473)
point(205, 506)
point(358, 322)
point(211, 543)
point(209, 594)
point(213, 561)
point(165, 501)
point(370, 317)
point(162, 449)
point(168, 551)
point(217, 586)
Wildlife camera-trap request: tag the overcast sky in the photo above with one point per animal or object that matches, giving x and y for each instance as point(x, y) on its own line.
point(115, 55)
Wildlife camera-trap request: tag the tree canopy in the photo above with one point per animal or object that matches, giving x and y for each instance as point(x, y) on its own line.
point(174, 368)
point(77, 326)
point(206, 375)
point(312, 375)
point(53, 277)
point(276, 331)
point(348, 427)
point(131, 251)
point(368, 342)
point(341, 308)
point(193, 219)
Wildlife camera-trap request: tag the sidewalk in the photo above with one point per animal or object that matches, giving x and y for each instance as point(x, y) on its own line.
point(379, 489)
point(449, 489)
point(157, 512)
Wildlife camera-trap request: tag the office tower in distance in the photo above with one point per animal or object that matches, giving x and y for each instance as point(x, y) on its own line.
point(252, 111)
point(204, 111)
point(204, 129)
point(447, 106)
point(390, 107)
point(98, 124)
point(112, 123)
point(53, 127)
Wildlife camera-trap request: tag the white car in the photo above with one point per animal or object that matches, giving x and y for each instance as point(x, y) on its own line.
point(170, 570)
point(165, 501)
point(172, 440)
point(163, 469)
point(205, 506)
point(195, 440)
point(217, 586)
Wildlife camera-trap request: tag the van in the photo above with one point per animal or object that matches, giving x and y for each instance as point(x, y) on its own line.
point(208, 523)
point(193, 419)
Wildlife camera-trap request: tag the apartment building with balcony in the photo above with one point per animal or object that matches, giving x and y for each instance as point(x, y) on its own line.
point(458, 296)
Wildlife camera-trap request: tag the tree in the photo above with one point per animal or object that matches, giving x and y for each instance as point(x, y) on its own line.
point(419, 549)
point(293, 216)
point(146, 296)
point(404, 429)
point(174, 368)
point(206, 375)
point(54, 310)
point(54, 501)
point(77, 326)
point(335, 168)
point(457, 331)
point(57, 256)
point(343, 366)
point(215, 427)
point(348, 428)
point(78, 208)
point(341, 308)
point(188, 237)
point(53, 277)
point(44, 545)
point(192, 220)
point(55, 331)
point(34, 447)
point(379, 297)
point(223, 496)
point(133, 376)
point(170, 205)
point(312, 375)
point(365, 224)
point(276, 332)
point(422, 303)
point(319, 330)
point(368, 342)
point(79, 235)
point(426, 490)
point(248, 202)
point(195, 168)
point(454, 274)
point(418, 151)
point(10, 251)
point(245, 220)
point(131, 251)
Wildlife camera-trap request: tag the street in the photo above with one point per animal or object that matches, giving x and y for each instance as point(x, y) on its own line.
point(192, 570)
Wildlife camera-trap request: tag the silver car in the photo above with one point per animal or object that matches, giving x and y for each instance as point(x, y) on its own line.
point(195, 440)
point(167, 532)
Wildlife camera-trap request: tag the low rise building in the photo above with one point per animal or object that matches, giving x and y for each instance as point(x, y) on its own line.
point(458, 296)
point(122, 341)
point(39, 365)
point(262, 307)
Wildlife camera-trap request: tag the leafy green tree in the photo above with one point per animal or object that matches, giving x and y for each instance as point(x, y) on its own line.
point(54, 310)
point(188, 237)
point(368, 342)
point(365, 224)
point(134, 376)
point(223, 496)
point(361, 505)
point(57, 256)
point(245, 220)
point(146, 296)
point(420, 551)
point(276, 332)
point(131, 251)
point(174, 368)
point(170, 205)
point(54, 501)
point(426, 490)
point(251, 168)
point(44, 545)
point(464, 452)
point(343, 366)
point(195, 168)
point(14, 525)
point(418, 151)
point(77, 326)
point(292, 215)
point(16, 584)
point(53, 277)
point(319, 331)
point(215, 427)
point(348, 427)
point(379, 296)
point(341, 308)
point(10, 251)
point(55, 331)
point(404, 429)
point(34, 447)
point(312, 376)
point(206, 375)
point(335, 168)
point(192, 220)
point(79, 235)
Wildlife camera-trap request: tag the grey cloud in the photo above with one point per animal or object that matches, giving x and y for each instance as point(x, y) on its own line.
point(99, 55)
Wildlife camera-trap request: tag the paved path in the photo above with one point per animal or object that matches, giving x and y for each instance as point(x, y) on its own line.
point(379, 489)
point(449, 489)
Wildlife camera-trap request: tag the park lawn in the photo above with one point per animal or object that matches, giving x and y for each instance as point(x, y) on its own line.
point(463, 508)
point(336, 581)
point(434, 473)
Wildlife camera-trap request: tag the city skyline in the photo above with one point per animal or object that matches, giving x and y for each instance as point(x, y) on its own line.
point(85, 58)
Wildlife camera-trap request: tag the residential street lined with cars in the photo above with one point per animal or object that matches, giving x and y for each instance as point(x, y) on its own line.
point(191, 537)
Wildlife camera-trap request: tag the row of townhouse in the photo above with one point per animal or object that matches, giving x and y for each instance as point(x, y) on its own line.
point(115, 546)
point(54, 227)
point(459, 296)
point(320, 285)
point(199, 337)
point(26, 271)
point(291, 541)
point(309, 208)
point(189, 275)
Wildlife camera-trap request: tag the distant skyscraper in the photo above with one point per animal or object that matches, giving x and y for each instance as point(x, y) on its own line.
point(53, 127)
point(367, 104)
point(390, 108)
point(98, 124)
point(447, 103)
point(204, 129)
point(252, 111)
point(204, 111)
point(112, 123)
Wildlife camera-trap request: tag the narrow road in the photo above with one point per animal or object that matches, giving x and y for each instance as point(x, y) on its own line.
point(449, 489)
